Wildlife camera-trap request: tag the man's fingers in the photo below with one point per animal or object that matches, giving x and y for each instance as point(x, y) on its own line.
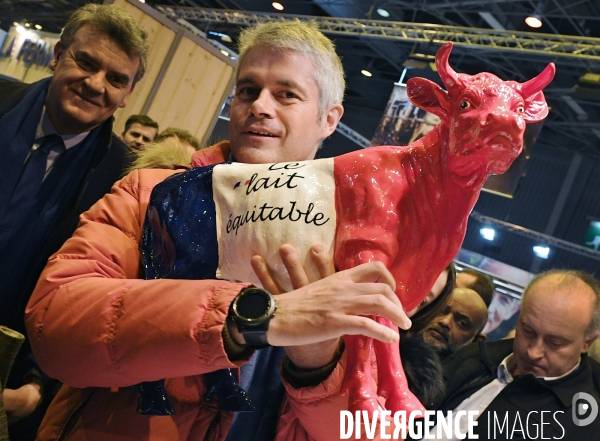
point(293, 265)
point(378, 304)
point(262, 272)
point(370, 328)
point(371, 272)
point(322, 260)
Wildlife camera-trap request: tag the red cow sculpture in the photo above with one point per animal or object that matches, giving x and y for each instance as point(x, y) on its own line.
point(421, 197)
point(404, 206)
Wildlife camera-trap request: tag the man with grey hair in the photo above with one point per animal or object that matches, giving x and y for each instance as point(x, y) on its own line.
point(542, 384)
point(59, 157)
point(120, 330)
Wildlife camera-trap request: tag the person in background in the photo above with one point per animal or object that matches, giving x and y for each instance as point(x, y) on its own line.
point(540, 373)
point(173, 149)
point(181, 137)
point(436, 300)
point(59, 156)
point(480, 283)
point(139, 131)
point(459, 323)
point(421, 361)
point(113, 329)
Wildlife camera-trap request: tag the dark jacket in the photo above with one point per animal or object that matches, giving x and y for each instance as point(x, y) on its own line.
point(423, 369)
point(109, 158)
point(476, 365)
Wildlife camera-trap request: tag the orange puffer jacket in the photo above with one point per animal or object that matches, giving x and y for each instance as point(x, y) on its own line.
point(99, 328)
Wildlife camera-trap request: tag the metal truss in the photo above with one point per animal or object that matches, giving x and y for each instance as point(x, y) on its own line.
point(353, 135)
point(544, 238)
point(551, 45)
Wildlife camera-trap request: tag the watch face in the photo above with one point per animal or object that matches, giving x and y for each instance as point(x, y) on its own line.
point(253, 306)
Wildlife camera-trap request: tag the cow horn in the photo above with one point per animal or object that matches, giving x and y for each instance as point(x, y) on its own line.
point(533, 86)
point(447, 74)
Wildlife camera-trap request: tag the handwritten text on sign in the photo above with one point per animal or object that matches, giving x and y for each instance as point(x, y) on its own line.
point(260, 207)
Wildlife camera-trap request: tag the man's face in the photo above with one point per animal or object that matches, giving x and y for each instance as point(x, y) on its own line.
point(137, 135)
point(458, 323)
point(551, 329)
point(275, 111)
point(92, 78)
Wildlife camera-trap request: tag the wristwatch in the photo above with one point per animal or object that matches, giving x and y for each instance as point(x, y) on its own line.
point(252, 310)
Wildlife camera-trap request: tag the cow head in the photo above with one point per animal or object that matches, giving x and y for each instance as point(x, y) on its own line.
point(485, 116)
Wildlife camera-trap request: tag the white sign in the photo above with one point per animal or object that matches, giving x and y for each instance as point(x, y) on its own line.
point(263, 206)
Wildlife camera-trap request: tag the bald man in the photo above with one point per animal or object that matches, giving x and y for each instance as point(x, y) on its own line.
point(543, 379)
point(458, 324)
point(479, 282)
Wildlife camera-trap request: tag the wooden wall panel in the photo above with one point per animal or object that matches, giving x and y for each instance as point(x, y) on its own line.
point(161, 38)
point(186, 81)
point(193, 89)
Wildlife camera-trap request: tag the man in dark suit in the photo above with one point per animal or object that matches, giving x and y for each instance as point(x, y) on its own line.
point(541, 385)
point(59, 157)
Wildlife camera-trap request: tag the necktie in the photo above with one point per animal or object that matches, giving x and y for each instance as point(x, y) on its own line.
point(34, 170)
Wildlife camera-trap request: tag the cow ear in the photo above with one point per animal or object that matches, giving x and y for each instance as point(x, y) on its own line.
point(428, 96)
point(536, 108)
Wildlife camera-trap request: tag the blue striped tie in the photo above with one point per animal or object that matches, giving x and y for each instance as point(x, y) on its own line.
point(34, 170)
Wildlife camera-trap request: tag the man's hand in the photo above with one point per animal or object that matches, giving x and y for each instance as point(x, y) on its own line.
point(304, 356)
point(318, 314)
point(20, 403)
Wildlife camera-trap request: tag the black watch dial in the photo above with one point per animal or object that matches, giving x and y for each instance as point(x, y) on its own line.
point(253, 306)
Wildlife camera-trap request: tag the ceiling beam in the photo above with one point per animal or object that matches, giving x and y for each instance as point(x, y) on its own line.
point(525, 42)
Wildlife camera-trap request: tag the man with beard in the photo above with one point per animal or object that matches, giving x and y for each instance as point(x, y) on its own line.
point(458, 324)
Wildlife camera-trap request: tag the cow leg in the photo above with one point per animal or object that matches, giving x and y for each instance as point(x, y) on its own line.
point(358, 383)
point(391, 383)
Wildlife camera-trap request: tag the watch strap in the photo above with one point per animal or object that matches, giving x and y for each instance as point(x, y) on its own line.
point(254, 332)
point(255, 338)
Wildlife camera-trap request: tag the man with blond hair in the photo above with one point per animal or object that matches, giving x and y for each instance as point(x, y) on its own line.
point(114, 329)
point(59, 157)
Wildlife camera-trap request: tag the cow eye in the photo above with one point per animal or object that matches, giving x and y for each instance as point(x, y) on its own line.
point(521, 109)
point(464, 104)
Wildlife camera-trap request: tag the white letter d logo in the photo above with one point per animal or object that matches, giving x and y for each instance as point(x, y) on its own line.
point(580, 409)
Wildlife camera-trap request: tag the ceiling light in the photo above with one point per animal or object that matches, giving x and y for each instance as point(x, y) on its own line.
point(20, 29)
point(38, 27)
point(142, 1)
point(541, 251)
point(224, 52)
point(487, 233)
point(226, 38)
point(534, 21)
point(366, 73)
point(383, 12)
point(27, 25)
point(277, 6)
point(15, 24)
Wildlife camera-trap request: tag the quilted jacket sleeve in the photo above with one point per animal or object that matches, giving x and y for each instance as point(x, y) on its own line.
point(314, 413)
point(93, 322)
